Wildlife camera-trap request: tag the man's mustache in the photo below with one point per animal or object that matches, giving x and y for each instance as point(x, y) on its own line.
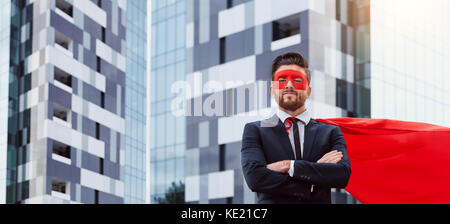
point(289, 91)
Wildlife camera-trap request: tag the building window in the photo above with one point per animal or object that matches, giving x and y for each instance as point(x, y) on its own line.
point(96, 197)
point(63, 43)
point(62, 115)
point(286, 27)
point(221, 157)
point(341, 94)
point(61, 149)
point(63, 77)
point(229, 4)
point(99, 69)
point(222, 50)
point(65, 7)
point(102, 99)
point(59, 186)
point(97, 130)
point(101, 166)
point(103, 34)
point(60, 189)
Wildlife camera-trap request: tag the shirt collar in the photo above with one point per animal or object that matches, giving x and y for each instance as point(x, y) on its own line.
point(305, 117)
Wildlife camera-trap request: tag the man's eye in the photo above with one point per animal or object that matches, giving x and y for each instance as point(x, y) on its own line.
point(281, 80)
point(298, 80)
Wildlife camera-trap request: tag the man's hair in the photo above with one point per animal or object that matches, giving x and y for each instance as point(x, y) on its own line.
point(291, 58)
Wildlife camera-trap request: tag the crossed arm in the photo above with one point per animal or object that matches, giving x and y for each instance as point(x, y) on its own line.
point(258, 177)
point(261, 177)
point(284, 166)
point(332, 170)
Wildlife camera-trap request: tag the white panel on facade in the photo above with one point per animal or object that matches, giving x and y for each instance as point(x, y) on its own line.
point(237, 124)
point(286, 42)
point(69, 65)
point(92, 10)
point(96, 147)
point(283, 8)
point(99, 114)
point(33, 62)
point(74, 138)
point(195, 85)
point(119, 188)
point(95, 181)
point(263, 11)
point(322, 110)
point(104, 51)
point(63, 134)
point(234, 73)
point(62, 86)
point(100, 82)
point(232, 20)
point(192, 185)
point(318, 6)
point(61, 159)
point(189, 35)
point(106, 118)
point(221, 184)
point(121, 62)
point(269, 10)
point(107, 53)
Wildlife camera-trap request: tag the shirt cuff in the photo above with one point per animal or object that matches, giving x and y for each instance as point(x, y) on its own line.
point(291, 169)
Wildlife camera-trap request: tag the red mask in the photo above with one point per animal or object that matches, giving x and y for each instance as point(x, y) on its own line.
point(298, 79)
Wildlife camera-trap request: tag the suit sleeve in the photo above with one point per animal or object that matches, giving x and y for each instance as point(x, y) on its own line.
point(258, 177)
point(326, 174)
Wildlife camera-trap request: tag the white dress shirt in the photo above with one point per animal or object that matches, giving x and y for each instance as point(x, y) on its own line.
point(304, 119)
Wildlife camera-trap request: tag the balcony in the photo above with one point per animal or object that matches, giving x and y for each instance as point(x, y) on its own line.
point(63, 43)
point(61, 152)
point(62, 80)
point(60, 189)
point(64, 9)
point(62, 116)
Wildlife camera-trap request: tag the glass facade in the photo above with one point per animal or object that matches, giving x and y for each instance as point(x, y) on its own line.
point(135, 103)
point(9, 73)
point(5, 28)
point(167, 132)
point(410, 41)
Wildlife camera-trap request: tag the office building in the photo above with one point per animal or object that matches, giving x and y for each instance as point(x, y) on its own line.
point(135, 102)
point(168, 63)
point(63, 98)
point(370, 59)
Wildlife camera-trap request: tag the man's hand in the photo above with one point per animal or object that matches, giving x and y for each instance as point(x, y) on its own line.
point(280, 166)
point(284, 166)
point(331, 157)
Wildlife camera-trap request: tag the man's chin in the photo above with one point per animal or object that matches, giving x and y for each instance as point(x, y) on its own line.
point(291, 106)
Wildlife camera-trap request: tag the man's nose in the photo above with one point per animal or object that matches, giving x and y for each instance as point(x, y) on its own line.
point(289, 84)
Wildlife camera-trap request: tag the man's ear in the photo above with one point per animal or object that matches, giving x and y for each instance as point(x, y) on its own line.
point(309, 91)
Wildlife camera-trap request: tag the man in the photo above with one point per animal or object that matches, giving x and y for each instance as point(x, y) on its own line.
point(290, 158)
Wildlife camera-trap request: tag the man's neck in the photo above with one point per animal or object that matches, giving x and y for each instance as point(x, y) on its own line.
point(295, 112)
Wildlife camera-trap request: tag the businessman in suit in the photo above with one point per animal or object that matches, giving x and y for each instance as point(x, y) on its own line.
point(290, 158)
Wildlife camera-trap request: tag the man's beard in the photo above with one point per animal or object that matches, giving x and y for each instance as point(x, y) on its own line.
point(292, 105)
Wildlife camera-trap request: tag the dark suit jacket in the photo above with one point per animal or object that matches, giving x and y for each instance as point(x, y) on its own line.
point(267, 141)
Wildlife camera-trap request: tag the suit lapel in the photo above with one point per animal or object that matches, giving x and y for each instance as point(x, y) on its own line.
point(281, 135)
point(310, 135)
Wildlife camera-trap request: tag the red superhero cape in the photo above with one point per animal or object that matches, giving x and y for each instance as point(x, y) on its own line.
point(396, 161)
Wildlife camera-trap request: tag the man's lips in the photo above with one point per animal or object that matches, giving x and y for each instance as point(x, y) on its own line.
point(289, 93)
